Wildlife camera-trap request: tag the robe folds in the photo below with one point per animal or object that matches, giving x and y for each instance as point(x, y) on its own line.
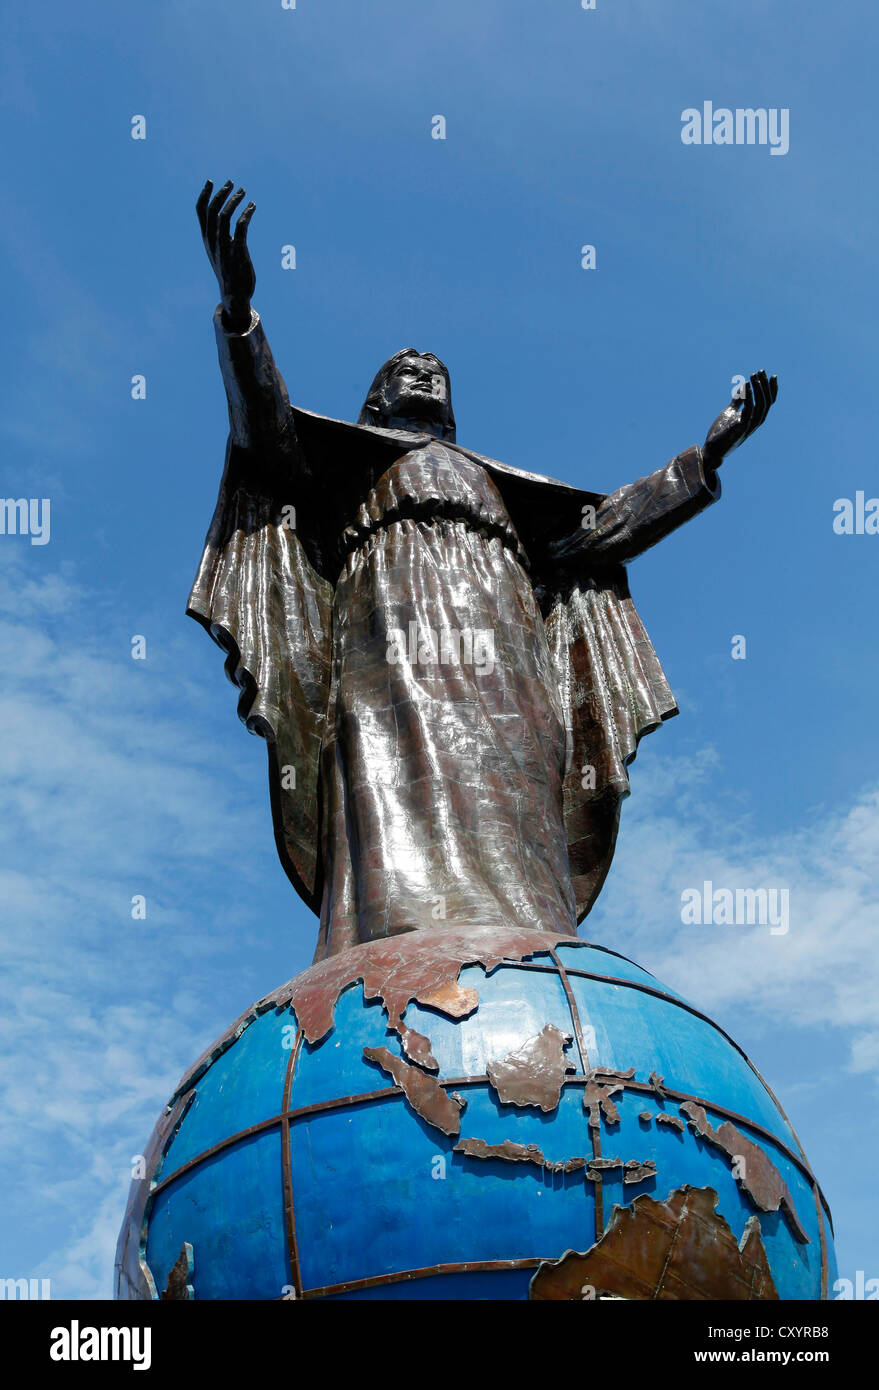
point(443, 657)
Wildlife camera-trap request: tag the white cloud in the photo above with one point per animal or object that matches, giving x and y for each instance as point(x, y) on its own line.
point(109, 793)
point(678, 830)
point(110, 788)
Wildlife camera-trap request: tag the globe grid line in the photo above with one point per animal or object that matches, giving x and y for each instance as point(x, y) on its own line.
point(232, 1035)
point(284, 1120)
point(358, 576)
point(818, 1196)
point(186, 1093)
point(392, 1092)
point(594, 1130)
point(287, 1169)
point(372, 1281)
point(528, 1262)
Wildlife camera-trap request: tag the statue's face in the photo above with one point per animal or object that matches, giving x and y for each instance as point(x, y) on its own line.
point(417, 390)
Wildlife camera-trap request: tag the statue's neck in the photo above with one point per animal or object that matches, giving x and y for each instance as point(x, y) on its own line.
point(395, 422)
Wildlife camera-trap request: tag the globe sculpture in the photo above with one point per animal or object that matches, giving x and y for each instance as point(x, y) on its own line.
point(479, 1115)
point(460, 1098)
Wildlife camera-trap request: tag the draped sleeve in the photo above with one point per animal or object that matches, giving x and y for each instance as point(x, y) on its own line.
point(613, 688)
point(264, 602)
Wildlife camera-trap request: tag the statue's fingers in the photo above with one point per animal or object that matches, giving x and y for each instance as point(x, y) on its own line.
point(201, 205)
point(767, 394)
point(761, 401)
point(214, 206)
point(761, 398)
point(747, 414)
point(225, 215)
point(242, 224)
point(773, 389)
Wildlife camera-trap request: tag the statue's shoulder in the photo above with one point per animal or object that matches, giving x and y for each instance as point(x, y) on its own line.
point(311, 426)
point(519, 474)
point(541, 507)
point(321, 429)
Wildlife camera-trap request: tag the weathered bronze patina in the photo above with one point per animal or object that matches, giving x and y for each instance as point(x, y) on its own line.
point(423, 968)
point(443, 657)
point(440, 650)
point(679, 1248)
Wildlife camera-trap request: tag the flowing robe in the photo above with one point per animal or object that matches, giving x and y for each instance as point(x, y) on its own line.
point(444, 660)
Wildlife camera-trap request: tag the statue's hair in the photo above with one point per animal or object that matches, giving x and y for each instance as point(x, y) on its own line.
point(374, 405)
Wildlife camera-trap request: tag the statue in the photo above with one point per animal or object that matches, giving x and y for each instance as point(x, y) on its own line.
point(444, 659)
point(440, 650)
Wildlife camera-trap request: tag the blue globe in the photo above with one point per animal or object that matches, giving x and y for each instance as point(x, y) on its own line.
point(445, 1114)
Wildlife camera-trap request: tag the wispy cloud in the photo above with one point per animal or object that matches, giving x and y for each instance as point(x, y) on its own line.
point(109, 791)
point(680, 828)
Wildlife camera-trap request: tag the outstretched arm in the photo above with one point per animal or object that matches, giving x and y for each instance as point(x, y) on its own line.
point(259, 407)
point(638, 515)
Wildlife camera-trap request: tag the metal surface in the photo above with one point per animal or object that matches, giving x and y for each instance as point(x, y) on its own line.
point(511, 1152)
point(179, 1287)
point(286, 1169)
point(751, 1165)
point(398, 972)
point(430, 784)
point(426, 1096)
point(457, 1082)
point(674, 1120)
point(134, 1279)
point(348, 1134)
point(437, 648)
point(427, 1272)
point(534, 1073)
point(594, 1131)
point(679, 1248)
point(394, 975)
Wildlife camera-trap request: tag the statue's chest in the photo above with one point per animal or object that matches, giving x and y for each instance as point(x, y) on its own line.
point(430, 482)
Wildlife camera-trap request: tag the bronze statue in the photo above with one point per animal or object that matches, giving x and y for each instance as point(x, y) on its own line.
point(440, 650)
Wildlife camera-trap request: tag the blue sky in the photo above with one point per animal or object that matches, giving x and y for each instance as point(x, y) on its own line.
point(563, 128)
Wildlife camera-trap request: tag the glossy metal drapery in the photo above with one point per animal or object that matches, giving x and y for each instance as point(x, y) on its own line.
point(408, 793)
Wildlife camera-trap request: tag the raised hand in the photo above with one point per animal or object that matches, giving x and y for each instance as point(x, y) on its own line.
point(227, 251)
point(740, 418)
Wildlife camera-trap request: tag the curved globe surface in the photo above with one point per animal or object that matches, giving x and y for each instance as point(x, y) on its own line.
point(441, 1114)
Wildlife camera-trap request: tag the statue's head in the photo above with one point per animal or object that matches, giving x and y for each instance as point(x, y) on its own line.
point(411, 386)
